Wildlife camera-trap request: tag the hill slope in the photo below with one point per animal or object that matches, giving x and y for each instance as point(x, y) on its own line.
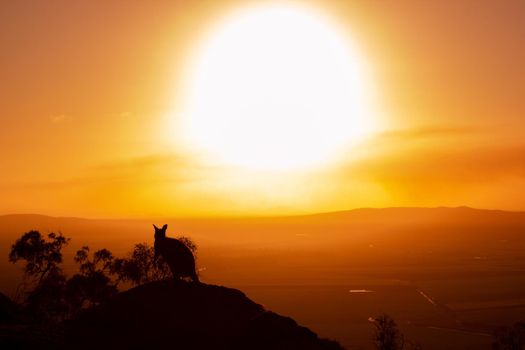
point(187, 316)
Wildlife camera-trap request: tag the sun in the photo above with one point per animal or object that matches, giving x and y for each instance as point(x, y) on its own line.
point(276, 87)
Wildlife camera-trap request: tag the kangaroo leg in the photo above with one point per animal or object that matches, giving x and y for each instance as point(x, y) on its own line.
point(194, 277)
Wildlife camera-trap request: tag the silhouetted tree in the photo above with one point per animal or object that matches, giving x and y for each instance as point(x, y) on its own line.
point(510, 338)
point(44, 282)
point(47, 302)
point(42, 257)
point(139, 267)
point(413, 345)
point(387, 335)
point(93, 284)
point(102, 261)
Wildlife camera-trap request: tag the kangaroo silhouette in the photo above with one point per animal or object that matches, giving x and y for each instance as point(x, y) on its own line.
point(177, 255)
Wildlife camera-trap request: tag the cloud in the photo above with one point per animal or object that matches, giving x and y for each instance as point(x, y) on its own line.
point(425, 132)
point(482, 163)
point(443, 173)
point(170, 168)
point(428, 166)
point(439, 154)
point(60, 118)
point(125, 114)
point(157, 184)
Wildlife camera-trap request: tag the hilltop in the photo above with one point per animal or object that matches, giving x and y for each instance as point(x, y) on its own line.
point(167, 314)
point(187, 316)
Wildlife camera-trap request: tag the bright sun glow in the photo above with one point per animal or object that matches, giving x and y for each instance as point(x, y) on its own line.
point(276, 88)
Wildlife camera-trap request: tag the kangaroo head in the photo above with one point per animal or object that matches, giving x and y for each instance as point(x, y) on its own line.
point(160, 232)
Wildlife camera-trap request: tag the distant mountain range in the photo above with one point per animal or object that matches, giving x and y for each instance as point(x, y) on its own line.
point(402, 220)
point(360, 237)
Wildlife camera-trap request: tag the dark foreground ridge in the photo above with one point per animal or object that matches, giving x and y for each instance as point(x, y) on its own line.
point(9, 311)
point(187, 316)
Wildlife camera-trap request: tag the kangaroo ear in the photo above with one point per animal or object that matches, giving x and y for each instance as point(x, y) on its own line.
point(165, 227)
point(156, 228)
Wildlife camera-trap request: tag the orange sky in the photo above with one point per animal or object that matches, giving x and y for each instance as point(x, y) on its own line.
point(86, 87)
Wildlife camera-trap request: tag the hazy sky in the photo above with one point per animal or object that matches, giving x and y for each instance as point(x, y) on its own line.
point(88, 87)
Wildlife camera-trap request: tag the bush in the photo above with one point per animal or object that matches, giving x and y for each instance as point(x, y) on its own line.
point(510, 338)
point(140, 266)
point(188, 242)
